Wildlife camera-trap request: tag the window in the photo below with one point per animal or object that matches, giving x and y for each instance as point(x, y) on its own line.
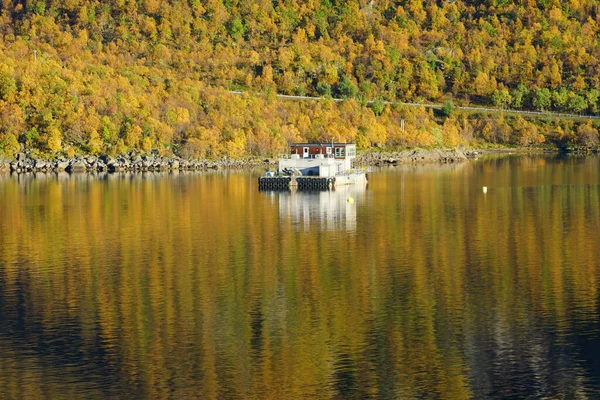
point(339, 152)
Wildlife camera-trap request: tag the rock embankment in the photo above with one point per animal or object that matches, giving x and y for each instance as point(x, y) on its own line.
point(414, 157)
point(128, 163)
point(24, 163)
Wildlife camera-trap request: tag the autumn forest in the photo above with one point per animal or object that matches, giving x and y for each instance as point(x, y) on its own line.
point(90, 77)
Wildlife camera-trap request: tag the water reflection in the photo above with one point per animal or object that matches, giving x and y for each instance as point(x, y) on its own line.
point(332, 210)
point(200, 286)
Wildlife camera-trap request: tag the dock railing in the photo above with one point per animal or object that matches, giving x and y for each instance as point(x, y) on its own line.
point(310, 156)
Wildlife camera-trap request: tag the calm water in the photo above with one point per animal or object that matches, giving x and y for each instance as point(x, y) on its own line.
point(200, 286)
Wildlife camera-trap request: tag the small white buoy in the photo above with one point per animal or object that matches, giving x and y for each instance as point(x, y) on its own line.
point(350, 200)
point(484, 189)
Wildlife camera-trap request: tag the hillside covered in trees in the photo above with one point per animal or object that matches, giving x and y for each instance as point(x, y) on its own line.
point(88, 76)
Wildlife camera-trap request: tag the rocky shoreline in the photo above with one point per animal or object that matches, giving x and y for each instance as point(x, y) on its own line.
point(127, 163)
point(417, 156)
point(134, 162)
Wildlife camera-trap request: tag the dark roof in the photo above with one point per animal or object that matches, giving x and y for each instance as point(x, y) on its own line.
point(320, 144)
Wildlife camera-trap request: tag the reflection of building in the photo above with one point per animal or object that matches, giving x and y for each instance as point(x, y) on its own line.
point(324, 210)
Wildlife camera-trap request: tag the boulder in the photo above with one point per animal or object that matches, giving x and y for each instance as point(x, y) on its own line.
point(77, 167)
point(114, 166)
point(62, 166)
point(40, 165)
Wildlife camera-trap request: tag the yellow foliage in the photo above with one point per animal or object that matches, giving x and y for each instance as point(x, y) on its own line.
point(70, 152)
point(133, 136)
point(182, 115)
point(267, 73)
point(147, 144)
point(482, 84)
point(330, 75)
point(94, 142)
point(528, 133)
point(451, 133)
point(291, 134)
point(489, 133)
point(54, 142)
point(121, 148)
point(166, 67)
point(236, 147)
point(9, 144)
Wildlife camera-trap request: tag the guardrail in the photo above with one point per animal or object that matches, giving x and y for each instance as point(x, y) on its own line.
point(439, 106)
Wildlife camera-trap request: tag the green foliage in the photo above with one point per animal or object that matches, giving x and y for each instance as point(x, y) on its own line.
point(37, 7)
point(236, 28)
point(520, 96)
point(560, 99)
point(378, 106)
point(542, 99)
point(346, 88)
point(438, 136)
point(324, 89)
point(502, 98)
point(577, 103)
point(592, 97)
point(32, 136)
point(447, 108)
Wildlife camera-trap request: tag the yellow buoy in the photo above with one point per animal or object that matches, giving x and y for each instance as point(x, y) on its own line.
point(485, 189)
point(350, 200)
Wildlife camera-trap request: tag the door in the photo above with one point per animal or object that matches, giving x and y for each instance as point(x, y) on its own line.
point(305, 153)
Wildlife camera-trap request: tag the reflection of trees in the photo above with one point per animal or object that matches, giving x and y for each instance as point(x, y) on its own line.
point(192, 286)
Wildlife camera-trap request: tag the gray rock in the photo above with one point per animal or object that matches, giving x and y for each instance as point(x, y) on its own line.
point(40, 164)
point(77, 167)
point(115, 167)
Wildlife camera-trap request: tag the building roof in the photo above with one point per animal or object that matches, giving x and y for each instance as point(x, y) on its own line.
point(321, 144)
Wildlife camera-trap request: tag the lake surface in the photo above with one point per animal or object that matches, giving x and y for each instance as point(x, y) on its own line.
point(200, 286)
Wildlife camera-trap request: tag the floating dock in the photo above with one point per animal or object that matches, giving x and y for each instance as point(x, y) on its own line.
point(274, 182)
point(299, 182)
